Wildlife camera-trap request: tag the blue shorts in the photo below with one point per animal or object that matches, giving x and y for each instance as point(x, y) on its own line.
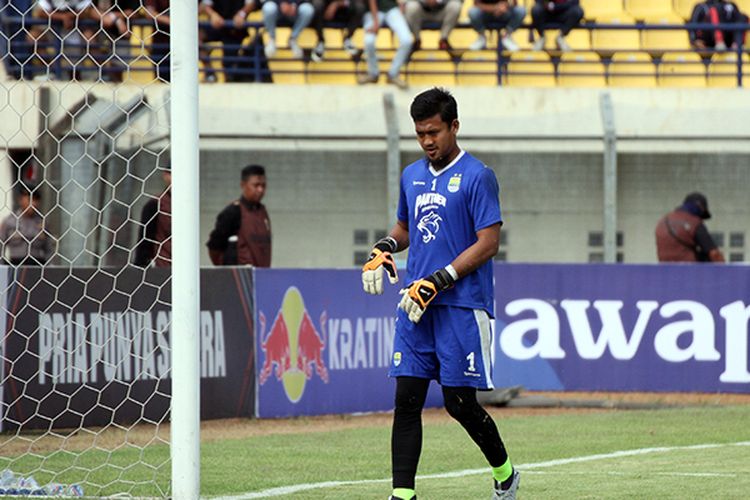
point(452, 345)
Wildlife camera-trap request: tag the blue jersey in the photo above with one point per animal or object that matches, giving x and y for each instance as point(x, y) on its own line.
point(443, 211)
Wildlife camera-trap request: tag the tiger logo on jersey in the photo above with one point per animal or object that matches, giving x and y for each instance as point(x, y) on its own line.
point(429, 225)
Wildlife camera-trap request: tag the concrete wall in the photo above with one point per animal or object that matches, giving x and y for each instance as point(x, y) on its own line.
point(325, 151)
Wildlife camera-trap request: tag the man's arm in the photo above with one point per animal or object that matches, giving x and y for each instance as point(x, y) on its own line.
point(485, 248)
point(227, 224)
point(400, 234)
point(707, 245)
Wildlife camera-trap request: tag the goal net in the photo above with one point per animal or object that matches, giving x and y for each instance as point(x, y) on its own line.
point(84, 171)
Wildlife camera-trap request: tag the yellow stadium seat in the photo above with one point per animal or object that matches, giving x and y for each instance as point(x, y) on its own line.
point(336, 68)
point(632, 69)
point(744, 6)
point(285, 69)
point(614, 40)
point(682, 69)
point(384, 39)
point(657, 41)
point(334, 37)
point(141, 67)
point(478, 68)
point(461, 38)
point(594, 9)
point(684, 8)
point(431, 67)
point(641, 9)
point(531, 69)
point(578, 39)
point(722, 72)
point(581, 69)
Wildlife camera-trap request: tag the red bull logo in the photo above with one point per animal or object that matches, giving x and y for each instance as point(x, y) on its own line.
point(292, 346)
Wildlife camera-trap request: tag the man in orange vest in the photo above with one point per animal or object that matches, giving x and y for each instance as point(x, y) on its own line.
point(681, 235)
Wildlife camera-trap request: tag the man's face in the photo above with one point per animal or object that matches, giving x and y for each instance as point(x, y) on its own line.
point(253, 188)
point(437, 139)
point(24, 202)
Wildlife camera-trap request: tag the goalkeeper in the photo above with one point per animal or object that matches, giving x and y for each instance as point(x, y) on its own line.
point(449, 218)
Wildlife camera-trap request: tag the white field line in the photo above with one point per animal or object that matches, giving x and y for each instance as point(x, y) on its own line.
point(296, 488)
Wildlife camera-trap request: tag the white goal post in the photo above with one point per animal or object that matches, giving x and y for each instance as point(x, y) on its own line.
point(100, 355)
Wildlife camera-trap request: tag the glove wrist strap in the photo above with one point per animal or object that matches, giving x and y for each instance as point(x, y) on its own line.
point(387, 244)
point(442, 279)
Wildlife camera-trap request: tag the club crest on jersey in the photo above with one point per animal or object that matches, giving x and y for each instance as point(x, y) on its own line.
point(429, 225)
point(454, 183)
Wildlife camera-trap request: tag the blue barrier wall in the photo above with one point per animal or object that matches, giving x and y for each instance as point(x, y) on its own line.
point(323, 346)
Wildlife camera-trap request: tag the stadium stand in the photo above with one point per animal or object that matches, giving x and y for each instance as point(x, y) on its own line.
point(631, 69)
point(616, 37)
point(581, 69)
point(682, 69)
point(531, 69)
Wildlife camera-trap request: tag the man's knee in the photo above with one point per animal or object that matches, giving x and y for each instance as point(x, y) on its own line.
point(460, 402)
point(575, 13)
point(410, 395)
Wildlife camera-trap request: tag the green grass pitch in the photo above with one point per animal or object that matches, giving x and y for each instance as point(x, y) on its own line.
point(303, 454)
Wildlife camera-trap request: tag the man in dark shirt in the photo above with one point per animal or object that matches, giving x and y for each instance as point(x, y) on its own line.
point(246, 220)
point(155, 243)
point(567, 13)
point(681, 235)
point(219, 13)
point(715, 12)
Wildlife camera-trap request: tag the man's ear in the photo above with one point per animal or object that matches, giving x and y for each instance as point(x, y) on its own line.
point(454, 126)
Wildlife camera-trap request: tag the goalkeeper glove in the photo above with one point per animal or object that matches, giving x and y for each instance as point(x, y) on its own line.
point(418, 295)
point(380, 258)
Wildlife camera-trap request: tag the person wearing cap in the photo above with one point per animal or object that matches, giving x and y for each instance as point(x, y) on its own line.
point(22, 235)
point(242, 233)
point(681, 235)
point(155, 244)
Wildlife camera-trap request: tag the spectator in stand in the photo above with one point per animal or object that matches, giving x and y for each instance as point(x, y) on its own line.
point(22, 235)
point(716, 12)
point(444, 12)
point(155, 244)
point(390, 12)
point(67, 27)
point(158, 12)
point(298, 12)
point(231, 37)
point(566, 13)
point(347, 12)
point(681, 235)
point(506, 13)
point(245, 220)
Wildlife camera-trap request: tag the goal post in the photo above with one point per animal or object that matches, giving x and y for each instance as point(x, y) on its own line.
point(185, 414)
point(100, 356)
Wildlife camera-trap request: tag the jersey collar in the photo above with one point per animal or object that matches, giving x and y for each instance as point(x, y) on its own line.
point(448, 166)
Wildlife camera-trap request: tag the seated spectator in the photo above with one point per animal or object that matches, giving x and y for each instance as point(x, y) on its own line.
point(716, 12)
point(348, 12)
point(67, 29)
point(158, 12)
point(386, 11)
point(566, 13)
point(22, 235)
point(681, 235)
point(231, 37)
point(444, 12)
point(506, 13)
point(298, 12)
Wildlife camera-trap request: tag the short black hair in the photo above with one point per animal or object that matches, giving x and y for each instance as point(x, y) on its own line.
point(435, 101)
point(251, 170)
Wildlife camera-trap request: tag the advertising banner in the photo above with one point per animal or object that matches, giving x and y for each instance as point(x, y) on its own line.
point(623, 327)
point(322, 344)
point(91, 347)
